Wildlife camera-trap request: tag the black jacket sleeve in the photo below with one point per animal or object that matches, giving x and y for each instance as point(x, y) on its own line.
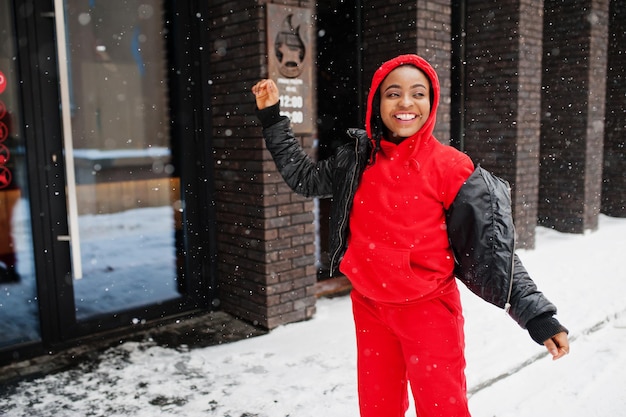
point(303, 175)
point(482, 237)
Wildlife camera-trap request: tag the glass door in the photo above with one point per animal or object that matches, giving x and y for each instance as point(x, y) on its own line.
point(101, 225)
point(124, 198)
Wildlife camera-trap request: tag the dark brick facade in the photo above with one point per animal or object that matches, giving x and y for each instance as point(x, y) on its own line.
point(534, 105)
point(391, 28)
point(614, 174)
point(572, 133)
point(534, 90)
point(503, 95)
point(266, 233)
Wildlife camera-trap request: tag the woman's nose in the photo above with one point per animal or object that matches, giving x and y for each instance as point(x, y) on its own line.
point(405, 100)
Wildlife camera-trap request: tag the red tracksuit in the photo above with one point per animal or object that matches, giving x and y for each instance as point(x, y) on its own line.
point(406, 303)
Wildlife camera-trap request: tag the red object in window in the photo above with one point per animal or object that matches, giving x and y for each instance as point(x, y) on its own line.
point(3, 82)
point(5, 154)
point(4, 132)
point(5, 177)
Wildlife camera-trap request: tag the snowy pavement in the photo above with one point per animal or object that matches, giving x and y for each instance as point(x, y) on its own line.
point(308, 369)
point(590, 383)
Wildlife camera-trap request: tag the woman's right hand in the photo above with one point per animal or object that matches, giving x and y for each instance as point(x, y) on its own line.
point(265, 93)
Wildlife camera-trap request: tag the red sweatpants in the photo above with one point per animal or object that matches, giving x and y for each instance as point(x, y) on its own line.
point(422, 343)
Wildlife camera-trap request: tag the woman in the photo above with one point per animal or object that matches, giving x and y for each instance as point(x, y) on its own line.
point(408, 216)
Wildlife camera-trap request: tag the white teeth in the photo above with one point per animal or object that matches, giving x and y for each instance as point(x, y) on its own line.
point(405, 116)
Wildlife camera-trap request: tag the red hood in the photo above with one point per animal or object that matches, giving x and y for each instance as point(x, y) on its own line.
point(382, 72)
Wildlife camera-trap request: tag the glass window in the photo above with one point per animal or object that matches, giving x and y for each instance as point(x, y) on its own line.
point(19, 311)
point(128, 199)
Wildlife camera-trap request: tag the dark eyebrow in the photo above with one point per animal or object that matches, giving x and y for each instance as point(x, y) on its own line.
point(392, 86)
point(412, 87)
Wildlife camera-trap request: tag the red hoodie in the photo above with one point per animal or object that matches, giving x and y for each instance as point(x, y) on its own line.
point(398, 248)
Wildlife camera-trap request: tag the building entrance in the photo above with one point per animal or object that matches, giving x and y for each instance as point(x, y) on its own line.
point(110, 238)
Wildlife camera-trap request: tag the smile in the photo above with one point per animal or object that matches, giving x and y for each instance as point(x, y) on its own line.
point(405, 116)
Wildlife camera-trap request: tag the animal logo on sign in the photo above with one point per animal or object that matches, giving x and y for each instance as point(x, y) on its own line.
point(289, 49)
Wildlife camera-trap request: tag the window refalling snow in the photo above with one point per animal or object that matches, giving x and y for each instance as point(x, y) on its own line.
point(128, 203)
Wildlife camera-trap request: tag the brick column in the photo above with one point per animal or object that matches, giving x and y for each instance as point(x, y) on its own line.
point(266, 233)
point(394, 27)
point(503, 94)
point(573, 103)
point(613, 176)
point(434, 43)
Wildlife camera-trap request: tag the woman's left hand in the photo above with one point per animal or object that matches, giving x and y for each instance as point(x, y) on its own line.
point(557, 345)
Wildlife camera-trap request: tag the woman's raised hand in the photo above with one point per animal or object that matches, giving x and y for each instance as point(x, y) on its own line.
point(266, 93)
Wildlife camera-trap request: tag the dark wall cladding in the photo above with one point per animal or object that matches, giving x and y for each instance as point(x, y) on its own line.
point(526, 64)
point(573, 109)
point(266, 233)
point(614, 169)
point(503, 94)
point(533, 90)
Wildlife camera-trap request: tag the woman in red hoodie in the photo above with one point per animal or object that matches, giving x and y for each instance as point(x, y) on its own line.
point(393, 189)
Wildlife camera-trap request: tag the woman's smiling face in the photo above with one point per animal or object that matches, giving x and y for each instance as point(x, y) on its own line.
point(404, 102)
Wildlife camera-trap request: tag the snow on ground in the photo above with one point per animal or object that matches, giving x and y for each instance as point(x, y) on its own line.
point(590, 383)
point(308, 369)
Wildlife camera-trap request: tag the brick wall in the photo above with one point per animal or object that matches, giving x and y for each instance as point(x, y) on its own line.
point(422, 27)
point(614, 173)
point(389, 29)
point(503, 87)
point(574, 79)
point(434, 43)
point(266, 233)
point(266, 239)
point(526, 181)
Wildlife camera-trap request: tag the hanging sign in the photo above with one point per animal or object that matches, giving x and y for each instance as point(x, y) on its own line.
point(290, 62)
